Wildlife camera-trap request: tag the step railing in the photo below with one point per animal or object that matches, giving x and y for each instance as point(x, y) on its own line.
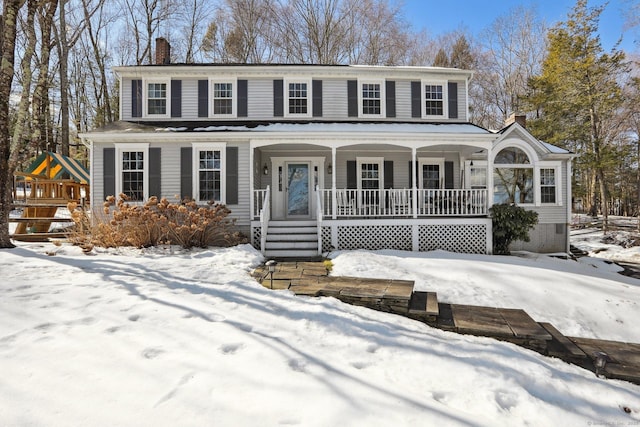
point(265, 216)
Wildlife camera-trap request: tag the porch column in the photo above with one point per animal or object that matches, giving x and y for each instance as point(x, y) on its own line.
point(489, 177)
point(251, 182)
point(414, 187)
point(334, 199)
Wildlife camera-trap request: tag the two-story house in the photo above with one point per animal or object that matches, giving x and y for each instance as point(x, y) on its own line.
point(311, 158)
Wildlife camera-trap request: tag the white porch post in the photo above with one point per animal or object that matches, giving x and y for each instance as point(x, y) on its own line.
point(414, 187)
point(251, 182)
point(489, 177)
point(334, 199)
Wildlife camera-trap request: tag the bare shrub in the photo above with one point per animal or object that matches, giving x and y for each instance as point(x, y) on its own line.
point(156, 222)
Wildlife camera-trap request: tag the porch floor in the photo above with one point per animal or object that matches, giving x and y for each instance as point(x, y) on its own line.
point(512, 325)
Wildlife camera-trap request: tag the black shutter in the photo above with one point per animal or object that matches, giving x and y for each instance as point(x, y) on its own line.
point(317, 98)
point(411, 174)
point(242, 98)
point(390, 93)
point(109, 172)
point(352, 174)
point(176, 98)
point(232, 175)
point(155, 170)
point(448, 174)
point(186, 165)
point(203, 98)
point(453, 100)
point(278, 98)
point(388, 174)
point(416, 99)
point(352, 98)
point(136, 98)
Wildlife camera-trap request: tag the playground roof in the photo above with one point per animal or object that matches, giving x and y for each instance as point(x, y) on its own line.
point(58, 165)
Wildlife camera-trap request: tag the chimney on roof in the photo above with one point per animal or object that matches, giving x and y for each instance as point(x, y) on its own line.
point(163, 51)
point(519, 118)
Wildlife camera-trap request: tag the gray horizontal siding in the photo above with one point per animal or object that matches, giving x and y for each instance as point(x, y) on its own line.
point(260, 99)
point(125, 113)
point(190, 99)
point(403, 99)
point(334, 99)
point(462, 101)
point(544, 239)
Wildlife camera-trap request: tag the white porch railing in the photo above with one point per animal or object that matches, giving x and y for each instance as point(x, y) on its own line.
point(259, 196)
point(265, 216)
point(399, 202)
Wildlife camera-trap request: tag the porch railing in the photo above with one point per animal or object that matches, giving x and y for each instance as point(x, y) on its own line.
point(259, 196)
point(399, 202)
point(265, 216)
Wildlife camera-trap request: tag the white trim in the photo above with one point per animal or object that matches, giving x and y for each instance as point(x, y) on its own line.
point(431, 161)
point(126, 147)
point(556, 166)
point(145, 98)
point(445, 99)
point(234, 99)
point(208, 146)
point(383, 97)
point(293, 80)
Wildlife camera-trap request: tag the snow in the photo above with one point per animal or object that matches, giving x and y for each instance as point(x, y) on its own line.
point(168, 337)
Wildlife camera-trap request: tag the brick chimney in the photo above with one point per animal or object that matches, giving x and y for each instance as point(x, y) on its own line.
point(519, 118)
point(163, 51)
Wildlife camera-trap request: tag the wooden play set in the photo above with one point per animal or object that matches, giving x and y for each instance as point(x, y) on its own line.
point(48, 184)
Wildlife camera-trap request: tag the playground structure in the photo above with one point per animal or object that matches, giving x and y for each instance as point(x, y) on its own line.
point(51, 182)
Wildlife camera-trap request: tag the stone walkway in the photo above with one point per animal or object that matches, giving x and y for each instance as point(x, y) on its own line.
point(512, 325)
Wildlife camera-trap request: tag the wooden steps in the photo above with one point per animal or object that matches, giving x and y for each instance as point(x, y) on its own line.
point(506, 324)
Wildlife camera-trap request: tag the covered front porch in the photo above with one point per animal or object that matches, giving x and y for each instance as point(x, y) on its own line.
point(411, 195)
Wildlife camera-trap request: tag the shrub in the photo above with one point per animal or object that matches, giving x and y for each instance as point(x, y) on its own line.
point(510, 222)
point(156, 222)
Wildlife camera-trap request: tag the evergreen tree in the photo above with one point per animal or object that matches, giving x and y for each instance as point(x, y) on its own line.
point(441, 59)
point(576, 98)
point(461, 56)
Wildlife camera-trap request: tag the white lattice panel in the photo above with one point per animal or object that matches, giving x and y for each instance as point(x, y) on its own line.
point(326, 239)
point(463, 238)
point(256, 233)
point(375, 237)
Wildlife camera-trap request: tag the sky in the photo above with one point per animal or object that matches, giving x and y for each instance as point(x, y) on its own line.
point(438, 16)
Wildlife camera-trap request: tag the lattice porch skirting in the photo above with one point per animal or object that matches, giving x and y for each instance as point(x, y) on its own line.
point(464, 235)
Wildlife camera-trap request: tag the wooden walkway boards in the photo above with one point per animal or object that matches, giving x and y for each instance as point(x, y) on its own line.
point(512, 325)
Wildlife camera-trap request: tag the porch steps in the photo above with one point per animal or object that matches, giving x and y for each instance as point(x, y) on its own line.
point(286, 239)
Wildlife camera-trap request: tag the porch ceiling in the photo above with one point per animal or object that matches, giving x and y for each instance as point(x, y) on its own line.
point(464, 150)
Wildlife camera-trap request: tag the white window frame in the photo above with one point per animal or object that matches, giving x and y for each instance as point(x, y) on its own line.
point(477, 164)
point(234, 100)
point(533, 163)
point(445, 99)
point(309, 97)
point(373, 160)
point(557, 167)
point(145, 106)
point(383, 98)
point(127, 147)
point(209, 146)
point(431, 161)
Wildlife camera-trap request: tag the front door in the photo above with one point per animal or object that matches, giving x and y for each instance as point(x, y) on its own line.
point(298, 190)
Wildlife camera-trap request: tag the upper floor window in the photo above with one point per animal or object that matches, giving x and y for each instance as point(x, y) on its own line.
point(298, 94)
point(224, 98)
point(434, 102)
point(371, 96)
point(132, 170)
point(157, 95)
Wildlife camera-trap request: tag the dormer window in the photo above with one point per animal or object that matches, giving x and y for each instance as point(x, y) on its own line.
point(298, 94)
point(223, 98)
point(434, 99)
point(157, 95)
point(370, 95)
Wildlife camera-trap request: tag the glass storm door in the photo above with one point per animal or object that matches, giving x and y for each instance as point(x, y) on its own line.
point(297, 190)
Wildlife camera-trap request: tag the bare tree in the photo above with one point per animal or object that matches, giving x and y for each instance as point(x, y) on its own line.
point(7, 58)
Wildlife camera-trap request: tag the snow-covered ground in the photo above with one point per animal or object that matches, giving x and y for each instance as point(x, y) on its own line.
point(166, 337)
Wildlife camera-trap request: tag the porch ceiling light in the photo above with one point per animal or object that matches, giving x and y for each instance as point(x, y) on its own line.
point(265, 170)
